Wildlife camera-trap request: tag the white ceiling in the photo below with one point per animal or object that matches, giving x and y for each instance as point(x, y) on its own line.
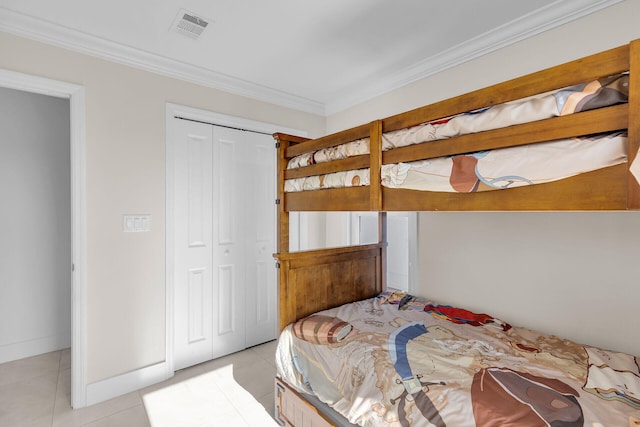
point(316, 56)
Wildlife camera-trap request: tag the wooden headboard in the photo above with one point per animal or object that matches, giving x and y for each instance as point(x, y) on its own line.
point(312, 281)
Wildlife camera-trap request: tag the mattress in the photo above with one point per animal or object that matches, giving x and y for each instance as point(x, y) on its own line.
point(399, 360)
point(583, 97)
point(487, 170)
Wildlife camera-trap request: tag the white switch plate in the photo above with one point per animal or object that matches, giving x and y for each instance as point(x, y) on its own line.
point(136, 223)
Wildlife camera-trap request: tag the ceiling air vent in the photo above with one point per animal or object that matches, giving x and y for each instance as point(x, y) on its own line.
point(189, 24)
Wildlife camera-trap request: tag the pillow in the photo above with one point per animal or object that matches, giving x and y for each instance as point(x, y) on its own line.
point(321, 329)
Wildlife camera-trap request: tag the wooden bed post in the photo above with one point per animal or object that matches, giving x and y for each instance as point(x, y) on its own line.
point(375, 152)
point(382, 240)
point(633, 198)
point(282, 245)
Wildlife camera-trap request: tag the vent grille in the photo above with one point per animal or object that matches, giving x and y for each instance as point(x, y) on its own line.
point(189, 24)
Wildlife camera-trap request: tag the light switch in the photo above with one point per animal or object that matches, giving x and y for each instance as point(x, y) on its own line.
point(136, 223)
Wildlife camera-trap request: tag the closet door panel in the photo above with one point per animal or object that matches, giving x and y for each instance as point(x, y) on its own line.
point(229, 250)
point(261, 280)
point(192, 243)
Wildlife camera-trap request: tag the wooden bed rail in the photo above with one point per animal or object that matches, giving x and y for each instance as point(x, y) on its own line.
point(633, 187)
point(598, 190)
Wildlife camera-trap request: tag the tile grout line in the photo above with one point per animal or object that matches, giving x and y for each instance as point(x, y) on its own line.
point(55, 394)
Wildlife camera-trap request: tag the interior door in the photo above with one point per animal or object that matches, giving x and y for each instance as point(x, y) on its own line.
point(224, 214)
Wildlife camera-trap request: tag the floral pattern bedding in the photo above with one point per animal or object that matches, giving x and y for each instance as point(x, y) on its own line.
point(398, 360)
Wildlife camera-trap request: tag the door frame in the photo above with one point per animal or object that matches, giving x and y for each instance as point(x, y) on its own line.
point(217, 119)
point(412, 217)
point(76, 96)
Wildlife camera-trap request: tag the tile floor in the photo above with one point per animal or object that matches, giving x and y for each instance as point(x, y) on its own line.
point(35, 392)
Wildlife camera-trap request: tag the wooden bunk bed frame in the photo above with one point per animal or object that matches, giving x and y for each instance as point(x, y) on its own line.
point(307, 278)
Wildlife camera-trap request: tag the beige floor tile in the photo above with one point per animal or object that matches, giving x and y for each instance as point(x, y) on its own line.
point(65, 359)
point(241, 358)
point(193, 402)
point(256, 378)
point(64, 416)
point(28, 402)
point(235, 390)
point(31, 367)
point(267, 402)
point(132, 417)
point(178, 377)
point(266, 351)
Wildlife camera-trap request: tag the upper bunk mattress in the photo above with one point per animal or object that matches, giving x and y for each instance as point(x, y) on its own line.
point(583, 97)
point(397, 360)
point(487, 170)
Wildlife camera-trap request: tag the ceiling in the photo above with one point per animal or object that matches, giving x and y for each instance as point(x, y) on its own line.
point(315, 56)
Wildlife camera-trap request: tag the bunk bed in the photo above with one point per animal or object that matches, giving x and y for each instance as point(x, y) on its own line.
point(335, 308)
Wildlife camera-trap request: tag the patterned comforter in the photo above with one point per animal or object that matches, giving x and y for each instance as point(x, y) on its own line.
point(398, 360)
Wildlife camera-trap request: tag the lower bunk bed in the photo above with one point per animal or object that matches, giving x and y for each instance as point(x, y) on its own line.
point(399, 360)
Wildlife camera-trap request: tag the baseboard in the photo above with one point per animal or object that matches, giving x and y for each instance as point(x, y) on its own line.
point(122, 384)
point(21, 350)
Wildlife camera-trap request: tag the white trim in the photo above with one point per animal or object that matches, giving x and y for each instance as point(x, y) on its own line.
point(553, 15)
point(182, 111)
point(556, 14)
point(20, 350)
point(131, 381)
point(57, 35)
point(75, 94)
point(414, 271)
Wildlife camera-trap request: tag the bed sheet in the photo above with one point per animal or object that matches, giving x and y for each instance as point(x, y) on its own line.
point(487, 170)
point(398, 360)
point(583, 97)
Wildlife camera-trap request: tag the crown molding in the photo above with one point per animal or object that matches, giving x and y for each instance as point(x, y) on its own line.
point(56, 35)
point(554, 15)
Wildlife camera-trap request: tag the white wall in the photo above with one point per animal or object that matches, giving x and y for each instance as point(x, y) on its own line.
point(35, 225)
point(125, 173)
point(573, 274)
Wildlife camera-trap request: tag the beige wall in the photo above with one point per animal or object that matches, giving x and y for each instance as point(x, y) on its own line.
point(566, 273)
point(125, 164)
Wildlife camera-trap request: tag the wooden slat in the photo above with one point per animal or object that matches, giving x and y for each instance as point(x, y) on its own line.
point(586, 123)
point(291, 139)
point(350, 163)
point(329, 140)
point(334, 199)
point(579, 71)
point(597, 190)
point(634, 123)
point(375, 151)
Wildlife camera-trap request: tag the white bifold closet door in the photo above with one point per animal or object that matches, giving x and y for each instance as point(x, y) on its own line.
point(224, 238)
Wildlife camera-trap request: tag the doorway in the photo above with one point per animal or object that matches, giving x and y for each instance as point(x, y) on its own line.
point(76, 269)
point(35, 224)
